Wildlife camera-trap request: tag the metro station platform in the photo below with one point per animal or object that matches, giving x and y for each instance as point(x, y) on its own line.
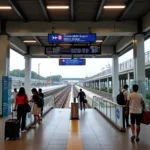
point(91, 132)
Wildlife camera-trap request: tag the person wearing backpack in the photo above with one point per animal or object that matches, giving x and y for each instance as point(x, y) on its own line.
point(36, 109)
point(125, 94)
point(122, 100)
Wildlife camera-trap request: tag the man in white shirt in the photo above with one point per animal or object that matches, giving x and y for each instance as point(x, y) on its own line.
point(125, 94)
point(135, 104)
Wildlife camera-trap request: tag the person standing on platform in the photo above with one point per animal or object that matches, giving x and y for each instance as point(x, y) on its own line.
point(42, 96)
point(125, 94)
point(135, 105)
point(82, 97)
point(21, 99)
point(14, 95)
point(36, 110)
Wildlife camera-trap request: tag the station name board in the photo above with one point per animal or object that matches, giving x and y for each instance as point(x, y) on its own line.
point(72, 62)
point(71, 38)
point(82, 50)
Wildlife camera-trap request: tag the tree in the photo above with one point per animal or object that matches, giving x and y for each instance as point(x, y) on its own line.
point(34, 75)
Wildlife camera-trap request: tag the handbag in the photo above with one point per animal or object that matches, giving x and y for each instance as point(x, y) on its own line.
point(145, 117)
point(27, 107)
point(85, 101)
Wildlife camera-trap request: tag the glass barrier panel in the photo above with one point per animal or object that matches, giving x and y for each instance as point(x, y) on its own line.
point(48, 104)
point(119, 116)
point(112, 111)
point(108, 110)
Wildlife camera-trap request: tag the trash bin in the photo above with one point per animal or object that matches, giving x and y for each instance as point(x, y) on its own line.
point(74, 110)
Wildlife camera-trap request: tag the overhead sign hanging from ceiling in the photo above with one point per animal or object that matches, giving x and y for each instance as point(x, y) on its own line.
point(71, 38)
point(79, 50)
point(72, 62)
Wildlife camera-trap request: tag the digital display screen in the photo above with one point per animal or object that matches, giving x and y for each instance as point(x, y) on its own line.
point(86, 50)
point(72, 62)
point(71, 38)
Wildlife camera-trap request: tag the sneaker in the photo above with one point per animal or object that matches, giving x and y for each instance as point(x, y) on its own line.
point(137, 139)
point(23, 131)
point(33, 126)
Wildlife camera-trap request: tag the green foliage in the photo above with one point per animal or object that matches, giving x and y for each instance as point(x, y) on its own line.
point(56, 78)
point(148, 95)
point(34, 75)
point(104, 89)
point(96, 88)
point(110, 90)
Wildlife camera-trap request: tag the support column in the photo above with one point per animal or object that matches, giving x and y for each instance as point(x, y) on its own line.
point(115, 76)
point(107, 84)
point(139, 58)
point(28, 75)
point(99, 84)
point(129, 79)
point(139, 62)
point(4, 63)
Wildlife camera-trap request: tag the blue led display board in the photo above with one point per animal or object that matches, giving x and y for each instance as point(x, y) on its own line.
point(59, 50)
point(72, 62)
point(71, 38)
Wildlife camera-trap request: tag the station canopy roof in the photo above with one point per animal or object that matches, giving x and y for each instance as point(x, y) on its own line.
point(76, 12)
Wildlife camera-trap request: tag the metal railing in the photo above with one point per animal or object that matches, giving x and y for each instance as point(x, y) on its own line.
point(127, 65)
point(111, 111)
point(48, 105)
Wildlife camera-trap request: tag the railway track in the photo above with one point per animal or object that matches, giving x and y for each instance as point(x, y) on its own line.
point(75, 93)
point(48, 93)
point(62, 98)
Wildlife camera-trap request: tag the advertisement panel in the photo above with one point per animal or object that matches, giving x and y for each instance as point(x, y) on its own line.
point(6, 96)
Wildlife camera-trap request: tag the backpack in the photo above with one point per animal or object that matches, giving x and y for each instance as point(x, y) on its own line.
point(121, 99)
point(39, 101)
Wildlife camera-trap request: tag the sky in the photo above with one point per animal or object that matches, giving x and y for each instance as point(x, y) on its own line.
point(51, 66)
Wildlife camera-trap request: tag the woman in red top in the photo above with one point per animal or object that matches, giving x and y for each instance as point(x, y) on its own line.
point(21, 99)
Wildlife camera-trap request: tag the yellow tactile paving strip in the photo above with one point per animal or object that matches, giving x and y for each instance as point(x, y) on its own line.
point(74, 139)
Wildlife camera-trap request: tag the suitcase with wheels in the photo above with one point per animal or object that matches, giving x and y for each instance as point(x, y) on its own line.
point(12, 128)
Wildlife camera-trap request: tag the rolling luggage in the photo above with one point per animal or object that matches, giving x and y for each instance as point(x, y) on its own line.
point(12, 128)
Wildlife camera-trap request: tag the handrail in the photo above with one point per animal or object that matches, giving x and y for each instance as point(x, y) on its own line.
point(113, 112)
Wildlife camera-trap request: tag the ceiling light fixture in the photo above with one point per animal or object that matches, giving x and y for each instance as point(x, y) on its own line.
point(99, 41)
point(5, 8)
point(29, 41)
point(114, 7)
point(57, 7)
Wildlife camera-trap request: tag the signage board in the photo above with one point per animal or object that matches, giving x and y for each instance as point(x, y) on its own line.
point(6, 95)
point(71, 38)
point(72, 62)
point(78, 50)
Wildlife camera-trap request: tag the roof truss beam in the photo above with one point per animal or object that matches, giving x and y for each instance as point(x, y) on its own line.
point(72, 10)
point(105, 40)
point(38, 40)
point(100, 9)
point(17, 10)
point(128, 7)
point(44, 9)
